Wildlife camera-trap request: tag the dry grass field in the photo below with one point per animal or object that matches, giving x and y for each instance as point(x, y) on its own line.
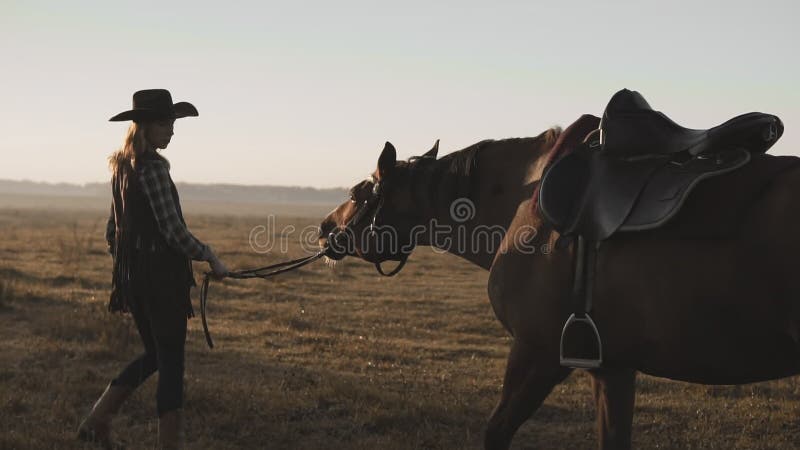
point(323, 358)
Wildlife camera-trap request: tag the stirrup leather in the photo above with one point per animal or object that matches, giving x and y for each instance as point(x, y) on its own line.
point(575, 334)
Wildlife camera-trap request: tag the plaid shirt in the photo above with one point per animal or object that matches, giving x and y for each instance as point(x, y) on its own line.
point(156, 184)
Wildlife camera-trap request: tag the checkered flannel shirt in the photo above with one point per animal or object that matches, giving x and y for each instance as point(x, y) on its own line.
point(156, 184)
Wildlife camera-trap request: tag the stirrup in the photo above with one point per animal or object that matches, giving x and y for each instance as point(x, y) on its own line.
point(581, 362)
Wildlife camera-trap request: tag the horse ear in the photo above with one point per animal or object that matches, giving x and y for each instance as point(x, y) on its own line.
point(433, 151)
point(387, 160)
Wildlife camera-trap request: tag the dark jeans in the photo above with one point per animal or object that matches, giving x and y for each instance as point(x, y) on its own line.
point(161, 321)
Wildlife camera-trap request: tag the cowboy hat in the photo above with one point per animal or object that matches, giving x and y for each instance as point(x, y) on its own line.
point(155, 104)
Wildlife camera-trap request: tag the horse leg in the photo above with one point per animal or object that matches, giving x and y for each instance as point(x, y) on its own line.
point(526, 384)
point(614, 395)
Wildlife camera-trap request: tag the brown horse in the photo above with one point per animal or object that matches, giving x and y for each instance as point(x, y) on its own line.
point(715, 307)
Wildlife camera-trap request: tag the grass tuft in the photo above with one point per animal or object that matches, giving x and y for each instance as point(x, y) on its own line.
point(7, 293)
point(73, 249)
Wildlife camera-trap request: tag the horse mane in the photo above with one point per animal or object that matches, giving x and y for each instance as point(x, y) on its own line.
point(457, 168)
point(463, 161)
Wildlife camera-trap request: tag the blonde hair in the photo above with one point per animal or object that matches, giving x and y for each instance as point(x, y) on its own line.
point(132, 147)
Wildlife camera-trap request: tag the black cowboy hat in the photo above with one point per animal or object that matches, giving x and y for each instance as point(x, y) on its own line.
point(155, 104)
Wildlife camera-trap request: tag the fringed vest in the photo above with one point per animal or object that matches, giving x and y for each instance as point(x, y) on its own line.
point(145, 266)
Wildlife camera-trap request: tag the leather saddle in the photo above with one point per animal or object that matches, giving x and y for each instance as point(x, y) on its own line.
point(636, 170)
point(633, 172)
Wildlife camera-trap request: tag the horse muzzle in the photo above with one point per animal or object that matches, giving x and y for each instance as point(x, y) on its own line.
point(336, 244)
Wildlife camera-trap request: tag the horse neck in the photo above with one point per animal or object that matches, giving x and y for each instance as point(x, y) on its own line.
point(496, 183)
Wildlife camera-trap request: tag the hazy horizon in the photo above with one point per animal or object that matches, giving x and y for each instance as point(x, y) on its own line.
point(306, 94)
point(215, 199)
point(197, 183)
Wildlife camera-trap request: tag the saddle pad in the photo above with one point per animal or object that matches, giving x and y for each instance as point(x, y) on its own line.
point(587, 195)
point(671, 184)
point(717, 206)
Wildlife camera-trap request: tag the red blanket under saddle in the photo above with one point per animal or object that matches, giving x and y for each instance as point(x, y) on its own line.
point(568, 140)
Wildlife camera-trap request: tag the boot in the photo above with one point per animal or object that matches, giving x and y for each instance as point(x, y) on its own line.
point(170, 430)
point(96, 427)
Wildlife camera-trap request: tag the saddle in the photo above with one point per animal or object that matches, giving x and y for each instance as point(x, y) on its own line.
point(636, 170)
point(633, 171)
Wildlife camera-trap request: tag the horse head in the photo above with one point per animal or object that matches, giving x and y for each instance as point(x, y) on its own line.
point(377, 223)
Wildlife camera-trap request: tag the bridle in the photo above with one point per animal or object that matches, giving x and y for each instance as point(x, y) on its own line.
point(372, 205)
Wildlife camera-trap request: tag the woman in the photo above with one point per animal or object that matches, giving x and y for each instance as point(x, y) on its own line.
point(152, 250)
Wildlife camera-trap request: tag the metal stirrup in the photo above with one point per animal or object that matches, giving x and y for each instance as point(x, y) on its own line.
point(581, 363)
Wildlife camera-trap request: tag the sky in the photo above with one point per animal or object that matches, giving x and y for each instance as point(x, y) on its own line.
point(306, 93)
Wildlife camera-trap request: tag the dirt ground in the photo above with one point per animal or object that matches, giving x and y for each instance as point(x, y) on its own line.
point(323, 358)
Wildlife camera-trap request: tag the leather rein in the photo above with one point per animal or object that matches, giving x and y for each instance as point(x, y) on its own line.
point(260, 272)
point(287, 266)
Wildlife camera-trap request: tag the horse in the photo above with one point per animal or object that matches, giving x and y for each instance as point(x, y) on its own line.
point(717, 307)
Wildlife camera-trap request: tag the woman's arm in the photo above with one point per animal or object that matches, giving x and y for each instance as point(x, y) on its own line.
point(157, 186)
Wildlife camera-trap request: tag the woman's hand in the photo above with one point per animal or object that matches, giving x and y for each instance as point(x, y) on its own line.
point(218, 269)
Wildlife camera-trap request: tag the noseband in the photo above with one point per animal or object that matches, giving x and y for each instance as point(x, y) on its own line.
point(373, 204)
